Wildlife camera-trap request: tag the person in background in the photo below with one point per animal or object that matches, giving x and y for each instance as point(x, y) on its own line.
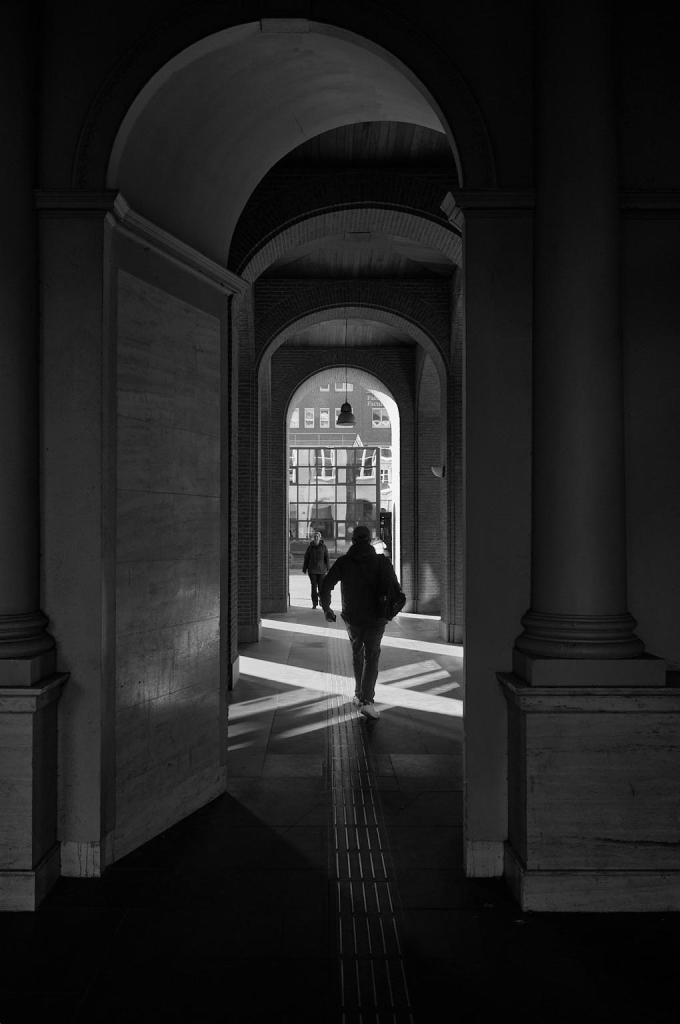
point(316, 563)
point(359, 573)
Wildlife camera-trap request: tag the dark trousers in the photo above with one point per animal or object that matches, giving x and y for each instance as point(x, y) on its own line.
point(365, 641)
point(316, 578)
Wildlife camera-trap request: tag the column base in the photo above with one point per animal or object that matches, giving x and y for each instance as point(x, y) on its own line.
point(593, 796)
point(25, 890)
point(483, 858)
point(27, 671)
point(645, 670)
point(591, 891)
point(29, 851)
point(590, 637)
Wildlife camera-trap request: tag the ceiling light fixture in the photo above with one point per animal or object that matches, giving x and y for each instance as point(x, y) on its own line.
point(346, 417)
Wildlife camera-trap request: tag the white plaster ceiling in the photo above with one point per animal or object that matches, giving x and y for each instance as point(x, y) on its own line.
point(212, 122)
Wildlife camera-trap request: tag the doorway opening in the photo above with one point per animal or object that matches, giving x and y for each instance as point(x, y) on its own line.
point(341, 476)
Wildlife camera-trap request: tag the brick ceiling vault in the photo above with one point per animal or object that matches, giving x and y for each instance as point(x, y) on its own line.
point(392, 306)
point(382, 202)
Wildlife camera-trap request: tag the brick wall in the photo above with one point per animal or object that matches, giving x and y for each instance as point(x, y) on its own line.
point(422, 307)
point(292, 207)
point(431, 510)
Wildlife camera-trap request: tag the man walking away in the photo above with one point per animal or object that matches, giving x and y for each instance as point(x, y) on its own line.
point(360, 572)
point(316, 563)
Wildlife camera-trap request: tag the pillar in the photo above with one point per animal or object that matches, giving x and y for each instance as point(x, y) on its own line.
point(29, 684)
point(578, 582)
point(593, 755)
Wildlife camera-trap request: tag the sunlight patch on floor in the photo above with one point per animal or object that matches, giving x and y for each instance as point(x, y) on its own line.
point(326, 684)
point(447, 650)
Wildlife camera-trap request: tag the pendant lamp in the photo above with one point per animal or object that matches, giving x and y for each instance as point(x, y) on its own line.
point(346, 417)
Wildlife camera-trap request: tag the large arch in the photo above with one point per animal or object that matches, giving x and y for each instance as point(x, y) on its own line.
point(138, 71)
point(177, 175)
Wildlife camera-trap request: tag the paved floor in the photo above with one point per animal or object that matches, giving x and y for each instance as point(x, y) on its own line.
point(327, 884)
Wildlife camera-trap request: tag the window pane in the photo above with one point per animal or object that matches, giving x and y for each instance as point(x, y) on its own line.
point(324, 418)
point(309, 418)
point(295, 420)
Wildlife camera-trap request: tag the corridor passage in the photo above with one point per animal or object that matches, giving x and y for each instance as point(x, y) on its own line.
point(327, 885)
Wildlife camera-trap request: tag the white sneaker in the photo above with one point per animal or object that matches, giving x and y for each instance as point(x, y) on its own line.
point(370, 710)
point(356, 699)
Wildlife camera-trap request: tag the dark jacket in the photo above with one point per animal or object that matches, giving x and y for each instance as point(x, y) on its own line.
point(316, 558)
point(359, 573)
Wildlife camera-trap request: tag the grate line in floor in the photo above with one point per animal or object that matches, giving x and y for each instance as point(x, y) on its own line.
point(371, 971)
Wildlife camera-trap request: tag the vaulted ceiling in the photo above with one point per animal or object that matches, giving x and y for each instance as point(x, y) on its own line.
point(390, 148)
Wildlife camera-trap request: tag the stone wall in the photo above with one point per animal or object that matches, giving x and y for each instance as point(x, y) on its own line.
point(167, 558)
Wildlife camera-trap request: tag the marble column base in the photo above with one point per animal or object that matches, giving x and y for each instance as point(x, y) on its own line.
point(593, 796)
point(645, 670)
point(25, 890)
point(29, 851)
point(27, 671)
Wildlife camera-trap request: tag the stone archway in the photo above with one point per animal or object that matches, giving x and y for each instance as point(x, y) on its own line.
point(169, 252)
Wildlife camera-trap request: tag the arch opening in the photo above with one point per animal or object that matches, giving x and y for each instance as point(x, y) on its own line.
point(208, 126)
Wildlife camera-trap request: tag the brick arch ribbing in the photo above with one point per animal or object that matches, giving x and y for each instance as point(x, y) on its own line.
point(390, 203)
point(394, 305)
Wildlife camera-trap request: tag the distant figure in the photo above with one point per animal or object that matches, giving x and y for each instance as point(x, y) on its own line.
point(317, 564)
point(361, 572)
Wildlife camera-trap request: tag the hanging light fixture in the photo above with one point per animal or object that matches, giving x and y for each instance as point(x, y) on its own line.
point(346, 417)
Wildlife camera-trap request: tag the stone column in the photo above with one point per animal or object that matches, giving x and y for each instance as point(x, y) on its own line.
point(22, 624)
point(593, 756)
point(29, 685)
point(578, 591)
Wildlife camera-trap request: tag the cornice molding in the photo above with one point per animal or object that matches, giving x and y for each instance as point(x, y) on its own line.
point(493, 202)
point(132, 224)
point(62, 202)
point(663, 201)
point(460, 201)
point(126, 221)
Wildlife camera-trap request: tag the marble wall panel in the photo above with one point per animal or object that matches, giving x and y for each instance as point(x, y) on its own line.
point(145, 663)
point(196, 655)
point(197, 402)
point(145, 526)
point(168, 572)
point(146, 384)
point(197, 525)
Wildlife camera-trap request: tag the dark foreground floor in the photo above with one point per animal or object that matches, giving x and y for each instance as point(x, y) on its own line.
point(327, 884)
